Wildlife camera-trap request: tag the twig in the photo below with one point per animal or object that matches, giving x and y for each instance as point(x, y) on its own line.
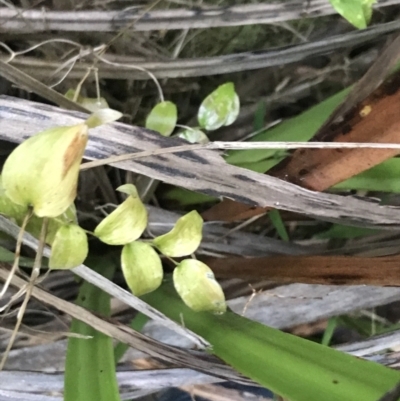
point(156, 379)
point(241, 146)
point(131, 337)
point(212, 65)
point(195, 170)
point(19, 21)
point(23, 80)
point(19, 239)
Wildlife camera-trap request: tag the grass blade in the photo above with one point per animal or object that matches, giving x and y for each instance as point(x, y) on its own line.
point(90, 366)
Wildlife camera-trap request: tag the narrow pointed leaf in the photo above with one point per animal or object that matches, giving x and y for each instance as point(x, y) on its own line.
point(299, 128)
point(295, 368)
point(142, 267)
point(383, 177)
point(184, 238)
point(90, 365)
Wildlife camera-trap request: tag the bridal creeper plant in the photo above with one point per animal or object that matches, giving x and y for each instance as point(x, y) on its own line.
point(40, 179)
point(357, 12)
point(38, 187)
point(220, 108)
point(37, 191)
point(141, 264)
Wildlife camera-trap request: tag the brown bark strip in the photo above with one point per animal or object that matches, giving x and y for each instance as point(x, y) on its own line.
point(336, 270)
point(376, 119)
point(230, 210)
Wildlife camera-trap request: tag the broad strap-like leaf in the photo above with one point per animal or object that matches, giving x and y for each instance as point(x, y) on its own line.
point(295, 368)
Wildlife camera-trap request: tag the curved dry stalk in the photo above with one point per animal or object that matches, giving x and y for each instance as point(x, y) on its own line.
point(193, 67)
point(29, 288)
point(200, 361)
point(239, 146)
point(17, 252)
point(23, 80)
point(97, 52)
point(4, 309)
point(14, 54)
point(135, 67)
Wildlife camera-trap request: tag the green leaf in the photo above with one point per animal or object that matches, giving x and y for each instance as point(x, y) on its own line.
point(345, 232)
point(162, 118)
point(69, 248)
point(220, 108)
point(299, 128)
point(259, 116)
point(142, 267)
point(48, 177)
point(383, 178)
point(137, 324)
point(194, 136)
point(90, 365)
point(277, 222)
point(35, 224)
point(196, 284)
point(295, 368)
point(184, 238)
point(264, 165)
point(7, 256)
point(329, 331)
point(127, 222)
point(357, 12)
point(367, 9)
point(185, 197)
point(366, 325)
point(10, 209)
